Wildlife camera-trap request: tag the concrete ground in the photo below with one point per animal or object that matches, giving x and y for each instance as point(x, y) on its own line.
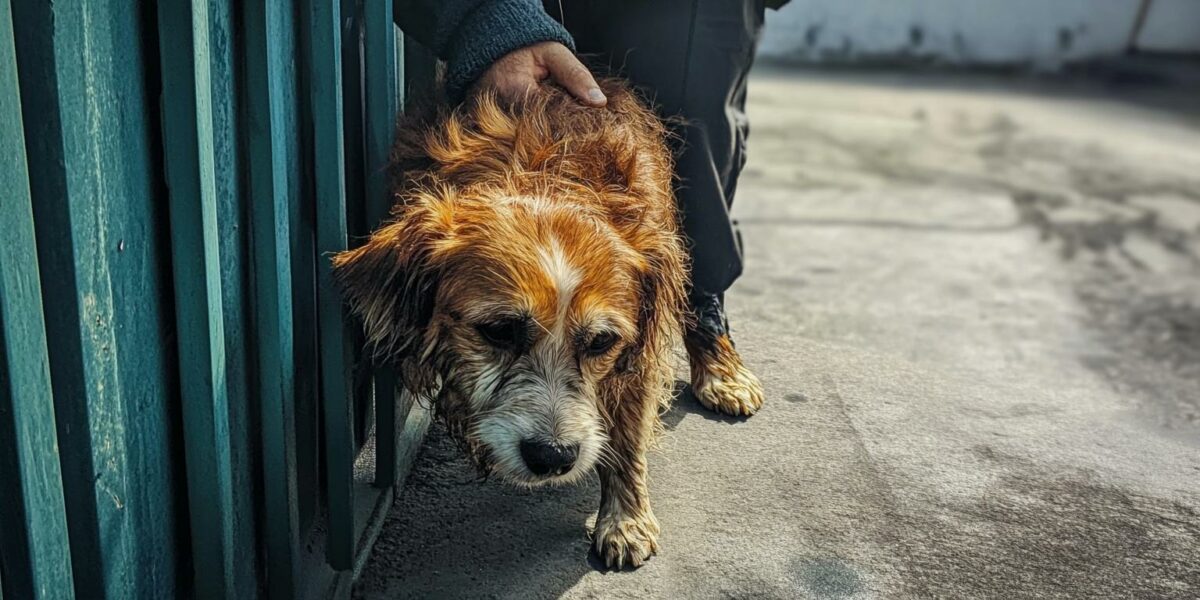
point(974, 302)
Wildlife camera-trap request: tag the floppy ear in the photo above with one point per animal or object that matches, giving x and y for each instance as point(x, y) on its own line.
point(647, 303)
point(661, 308)
point(391, 281)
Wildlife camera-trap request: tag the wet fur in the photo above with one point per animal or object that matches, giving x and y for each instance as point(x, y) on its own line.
point(476, 190)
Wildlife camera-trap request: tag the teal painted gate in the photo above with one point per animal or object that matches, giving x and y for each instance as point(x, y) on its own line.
point(184, 410)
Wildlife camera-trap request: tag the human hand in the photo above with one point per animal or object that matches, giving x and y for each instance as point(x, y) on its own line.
point(515, 73)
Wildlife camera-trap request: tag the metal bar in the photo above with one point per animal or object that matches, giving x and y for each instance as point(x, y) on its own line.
point(325, 88)
point(379, 57)
point(82, 178)
point(375, 510)
point(303, 213)
point(188, 154)
point(233, 242)
point(33, 518)
point(355, 169)
point(265, 66)
point(303, 230)
point(1139, 21)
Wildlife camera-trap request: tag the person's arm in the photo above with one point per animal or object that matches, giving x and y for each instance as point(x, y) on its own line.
point(507, 45)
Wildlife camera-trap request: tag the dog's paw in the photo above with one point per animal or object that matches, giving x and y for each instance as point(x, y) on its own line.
point(628, 541)
point(728, 388)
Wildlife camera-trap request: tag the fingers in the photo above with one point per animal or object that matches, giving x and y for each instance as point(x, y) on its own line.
point(512, 77)
point(566, 70)
point(514, 89)
point(517, 73)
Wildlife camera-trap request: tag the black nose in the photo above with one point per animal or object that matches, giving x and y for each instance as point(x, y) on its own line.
point(544, 459)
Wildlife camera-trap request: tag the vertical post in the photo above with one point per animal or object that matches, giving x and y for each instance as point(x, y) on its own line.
point(188, 146)
point(352, 113)
point(225, 59)
point(325, 89)
point(1139, 21)
point(379, 50)
point(355, 169)
point(81, 182)
point(34, 547)
point(265, 66)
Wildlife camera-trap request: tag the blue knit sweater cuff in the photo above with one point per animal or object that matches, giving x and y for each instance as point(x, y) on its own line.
point(493, 29)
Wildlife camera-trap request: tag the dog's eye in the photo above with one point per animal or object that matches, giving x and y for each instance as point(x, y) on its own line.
point(601, 342)
point(508, 334)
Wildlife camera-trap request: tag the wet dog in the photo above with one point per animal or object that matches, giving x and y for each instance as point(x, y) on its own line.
point(532, 280)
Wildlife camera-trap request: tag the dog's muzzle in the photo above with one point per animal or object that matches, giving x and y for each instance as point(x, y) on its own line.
point(544, 458)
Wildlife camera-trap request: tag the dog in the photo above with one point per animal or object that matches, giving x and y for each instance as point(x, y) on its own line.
point(532, 281)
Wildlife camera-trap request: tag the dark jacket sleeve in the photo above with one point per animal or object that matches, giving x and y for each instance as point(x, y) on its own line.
point(471, 34)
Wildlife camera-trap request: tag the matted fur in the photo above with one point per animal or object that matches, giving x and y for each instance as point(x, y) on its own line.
point(543, 212)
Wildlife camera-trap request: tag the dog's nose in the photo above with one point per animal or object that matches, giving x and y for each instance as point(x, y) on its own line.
point(545, 459)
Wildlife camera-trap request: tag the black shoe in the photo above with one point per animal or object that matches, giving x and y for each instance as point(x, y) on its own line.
point(719, 379)
point(710, 321)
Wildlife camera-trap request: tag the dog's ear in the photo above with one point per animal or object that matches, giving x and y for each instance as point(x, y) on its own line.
point(647, 304)
point(661, 307)
point(391, 281)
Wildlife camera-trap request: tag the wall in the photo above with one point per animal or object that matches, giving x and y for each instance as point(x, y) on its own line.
point(1171, 26)
point(1033, 33)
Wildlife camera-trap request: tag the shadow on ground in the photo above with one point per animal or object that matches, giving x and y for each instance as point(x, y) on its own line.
point(685, 404)
point(452, 530)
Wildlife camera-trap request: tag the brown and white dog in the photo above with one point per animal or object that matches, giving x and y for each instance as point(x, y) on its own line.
point(532, 280)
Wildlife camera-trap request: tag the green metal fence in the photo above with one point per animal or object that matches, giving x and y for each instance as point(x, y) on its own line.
point(184, 410)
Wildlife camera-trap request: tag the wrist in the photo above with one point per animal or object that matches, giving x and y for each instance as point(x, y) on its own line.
point(492, 30)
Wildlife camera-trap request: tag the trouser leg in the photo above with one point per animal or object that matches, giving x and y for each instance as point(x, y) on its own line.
point(691, 57)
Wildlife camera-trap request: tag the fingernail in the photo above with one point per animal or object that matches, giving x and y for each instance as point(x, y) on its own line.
point(596, 96)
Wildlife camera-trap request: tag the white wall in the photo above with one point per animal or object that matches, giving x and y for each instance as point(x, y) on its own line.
point(1040, 33)
point(1171, 26)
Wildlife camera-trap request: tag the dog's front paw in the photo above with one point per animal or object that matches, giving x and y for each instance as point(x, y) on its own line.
point(729, 387)
point(621, 541)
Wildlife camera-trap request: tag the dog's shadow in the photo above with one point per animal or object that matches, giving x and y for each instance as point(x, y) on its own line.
point(453, 533)
point(685, 403)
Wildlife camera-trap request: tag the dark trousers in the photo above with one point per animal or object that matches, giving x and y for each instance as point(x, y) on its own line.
point(691, 58)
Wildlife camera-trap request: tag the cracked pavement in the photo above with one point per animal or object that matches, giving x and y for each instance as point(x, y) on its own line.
point(974, 303)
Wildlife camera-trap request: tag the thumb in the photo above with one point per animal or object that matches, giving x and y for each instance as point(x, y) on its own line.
point(567, 71)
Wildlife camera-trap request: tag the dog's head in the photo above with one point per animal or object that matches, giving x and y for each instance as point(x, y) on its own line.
point(527, 283)
point(522, 307)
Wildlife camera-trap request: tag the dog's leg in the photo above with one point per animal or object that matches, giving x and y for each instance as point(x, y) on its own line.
point(626, 531)
point(719, 379)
